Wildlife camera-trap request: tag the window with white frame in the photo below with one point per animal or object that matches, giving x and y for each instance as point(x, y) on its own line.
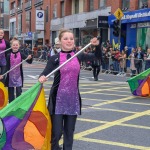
point(1, 7)
point(55, 11)
point(143, 4)
point(12, 29)
point(62, 8)
point(19, 2)
point(125, 5)
point(91, 5)
point(19, 24)
point(102, 3)
point(76, 6)
point(28, 21)
point(1, 22)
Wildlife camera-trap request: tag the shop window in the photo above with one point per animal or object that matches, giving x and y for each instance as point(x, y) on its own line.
point(102, 3)
point(143, 4)
point(143, 38)
point(125, 5)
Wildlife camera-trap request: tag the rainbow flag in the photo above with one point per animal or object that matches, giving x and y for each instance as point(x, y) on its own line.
point(140, 84)
point(3, 96)
point(25, 122)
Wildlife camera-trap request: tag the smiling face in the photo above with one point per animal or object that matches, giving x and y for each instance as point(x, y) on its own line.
point(15, 45)
point(1, 34)
point(67, 41)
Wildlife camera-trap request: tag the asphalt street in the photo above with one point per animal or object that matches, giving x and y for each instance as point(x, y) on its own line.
point(112, 118)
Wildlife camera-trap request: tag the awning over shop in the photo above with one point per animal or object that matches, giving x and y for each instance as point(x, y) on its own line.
point(141, 15)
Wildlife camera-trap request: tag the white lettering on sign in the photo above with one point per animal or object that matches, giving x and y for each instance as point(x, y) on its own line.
point(133, 26)
point(136, 15)
point(144, 24)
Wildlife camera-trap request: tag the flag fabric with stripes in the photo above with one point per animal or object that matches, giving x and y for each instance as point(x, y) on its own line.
point(3, 96)
point(25, 122)
point(140, 84)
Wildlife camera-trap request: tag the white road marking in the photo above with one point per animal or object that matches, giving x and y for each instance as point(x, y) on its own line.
point(34, 77)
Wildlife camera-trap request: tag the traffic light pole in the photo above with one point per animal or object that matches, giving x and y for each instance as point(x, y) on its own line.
point(119, 38)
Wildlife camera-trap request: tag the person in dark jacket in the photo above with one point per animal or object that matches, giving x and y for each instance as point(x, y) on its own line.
point(96, 63)
point(4, 45)
point(14, 78)
point(139, 57)
point(147, 59)
point(65, 101)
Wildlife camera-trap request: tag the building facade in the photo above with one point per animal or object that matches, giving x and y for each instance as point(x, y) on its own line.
point(30, 21)
point(4, 17)
point(81, 16)
point(135, 22)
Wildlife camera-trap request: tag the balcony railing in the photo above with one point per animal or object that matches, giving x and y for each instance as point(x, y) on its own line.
point(28, 5)
point(12, 12)
point(38, 2)
point(19, 9)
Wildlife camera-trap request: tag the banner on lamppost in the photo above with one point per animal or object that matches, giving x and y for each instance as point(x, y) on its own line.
point(39, 19)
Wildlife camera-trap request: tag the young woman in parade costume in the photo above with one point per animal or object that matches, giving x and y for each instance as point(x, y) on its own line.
point(4, 45)
point(14, 78)
point(65, 102)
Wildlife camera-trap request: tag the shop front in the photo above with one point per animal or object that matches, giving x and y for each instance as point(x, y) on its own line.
point(135, 29)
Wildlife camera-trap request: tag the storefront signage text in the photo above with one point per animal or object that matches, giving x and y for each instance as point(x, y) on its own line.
point(136, 15)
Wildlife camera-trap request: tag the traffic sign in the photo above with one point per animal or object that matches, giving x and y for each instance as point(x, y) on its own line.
point(118, 14)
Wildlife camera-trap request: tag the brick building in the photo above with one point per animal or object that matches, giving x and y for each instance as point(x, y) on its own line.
point(4, 17)
point(81, 16)
point(24, 23)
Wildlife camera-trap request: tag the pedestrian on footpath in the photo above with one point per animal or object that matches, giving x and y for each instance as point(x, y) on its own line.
point(64, 101)
point(4, 45)
point(14, 78)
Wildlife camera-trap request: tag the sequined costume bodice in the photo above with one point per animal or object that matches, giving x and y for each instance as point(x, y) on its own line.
point(67, 99)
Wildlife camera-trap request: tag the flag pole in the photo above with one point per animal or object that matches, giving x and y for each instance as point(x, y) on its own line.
point(5, 50)
point(68, 60)
point(14, 67)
